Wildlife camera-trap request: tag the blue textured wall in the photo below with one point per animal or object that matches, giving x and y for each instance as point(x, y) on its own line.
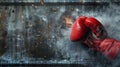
point(38, 33)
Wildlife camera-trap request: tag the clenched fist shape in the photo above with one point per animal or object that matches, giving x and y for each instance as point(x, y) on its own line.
point(91, 32)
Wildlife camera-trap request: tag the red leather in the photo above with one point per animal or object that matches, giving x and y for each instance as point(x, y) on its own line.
point(110, 47)
point(96, 27)
point(90, 31)
point(78, 29)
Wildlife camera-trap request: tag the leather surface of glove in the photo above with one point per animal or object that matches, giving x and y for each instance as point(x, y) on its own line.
point(78, 29)
point(110, 47)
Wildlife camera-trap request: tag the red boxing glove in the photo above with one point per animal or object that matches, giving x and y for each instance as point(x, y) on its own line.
point(91, 32)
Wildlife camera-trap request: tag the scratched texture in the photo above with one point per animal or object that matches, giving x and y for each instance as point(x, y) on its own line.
point(39, 34)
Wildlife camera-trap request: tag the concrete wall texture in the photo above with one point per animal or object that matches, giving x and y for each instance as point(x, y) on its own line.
point(38, 33)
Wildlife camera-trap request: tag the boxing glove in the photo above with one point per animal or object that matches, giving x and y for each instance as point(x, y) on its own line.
point(91, 32)
point(82, 30)
point(107, 46)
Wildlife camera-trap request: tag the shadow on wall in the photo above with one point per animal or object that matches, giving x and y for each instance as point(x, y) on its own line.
point(3, 32)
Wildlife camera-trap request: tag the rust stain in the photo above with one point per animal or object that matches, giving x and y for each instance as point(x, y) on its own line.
point(42, 2)
point(68, 21)
point(2, 15)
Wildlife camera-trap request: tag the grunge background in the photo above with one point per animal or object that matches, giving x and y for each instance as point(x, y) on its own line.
point(38, 31)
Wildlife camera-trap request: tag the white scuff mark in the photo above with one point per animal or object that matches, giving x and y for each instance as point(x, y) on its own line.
point(43, 17)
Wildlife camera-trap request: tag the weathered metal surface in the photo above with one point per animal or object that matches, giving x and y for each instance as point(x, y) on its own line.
point(40, 34)
point(59, 1)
